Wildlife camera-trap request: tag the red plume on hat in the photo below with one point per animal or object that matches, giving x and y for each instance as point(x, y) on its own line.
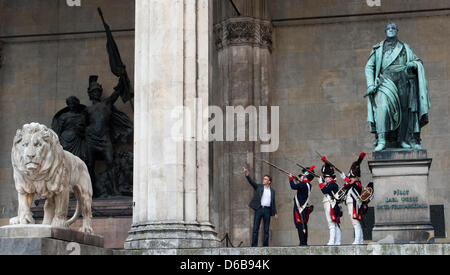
point(308, 172)
point(361, 157)
point(355, 169)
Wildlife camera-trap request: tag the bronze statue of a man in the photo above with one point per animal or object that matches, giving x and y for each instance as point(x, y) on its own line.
point(398, 99)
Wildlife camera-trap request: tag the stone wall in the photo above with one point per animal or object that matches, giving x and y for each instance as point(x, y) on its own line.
point(321, 104)
point(319, 83)
point(289, 9)
point(49, 51)
point(317, 78)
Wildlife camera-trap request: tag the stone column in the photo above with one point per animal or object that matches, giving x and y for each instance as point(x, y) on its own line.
point(171, 184)
point(242, 78)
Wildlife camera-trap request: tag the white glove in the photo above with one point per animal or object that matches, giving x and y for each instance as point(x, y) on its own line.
point(320, 180)
point(343, 176)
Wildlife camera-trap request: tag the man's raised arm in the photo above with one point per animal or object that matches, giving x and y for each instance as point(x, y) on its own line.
point(250, 180)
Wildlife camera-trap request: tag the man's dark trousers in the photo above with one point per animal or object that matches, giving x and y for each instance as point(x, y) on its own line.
point(264, 214)
point(260, 212)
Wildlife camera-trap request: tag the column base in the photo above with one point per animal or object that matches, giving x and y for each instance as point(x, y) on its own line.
point(169, 235)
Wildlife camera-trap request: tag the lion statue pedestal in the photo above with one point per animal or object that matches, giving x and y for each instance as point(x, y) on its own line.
point(40, 239)
point(41, 168)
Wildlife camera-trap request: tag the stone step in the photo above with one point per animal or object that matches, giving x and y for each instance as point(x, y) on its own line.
point(368, 249)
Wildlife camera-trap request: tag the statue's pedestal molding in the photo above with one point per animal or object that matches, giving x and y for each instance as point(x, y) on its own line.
point(402, 212)
point(111, 218)
point(38, 239)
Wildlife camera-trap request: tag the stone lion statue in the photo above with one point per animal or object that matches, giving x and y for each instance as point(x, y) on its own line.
point(41, 167)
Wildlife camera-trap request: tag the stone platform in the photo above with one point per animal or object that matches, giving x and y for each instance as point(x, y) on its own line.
point(369, 249)
point(37, 239)
point(47, 246)
point(111, 218)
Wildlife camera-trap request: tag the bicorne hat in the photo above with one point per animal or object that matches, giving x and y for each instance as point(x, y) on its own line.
point(355, 169)
point(328, 170)
point(307, 172)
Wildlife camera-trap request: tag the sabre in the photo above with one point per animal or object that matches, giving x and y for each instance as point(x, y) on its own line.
point(379, 81)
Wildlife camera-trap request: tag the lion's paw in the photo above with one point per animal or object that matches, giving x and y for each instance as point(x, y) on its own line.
point(28, 219)
point(14, 220)
point(87, 230)
point(60, 223)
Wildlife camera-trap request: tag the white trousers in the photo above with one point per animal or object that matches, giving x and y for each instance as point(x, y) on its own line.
point(334, 230)
point(359, 238)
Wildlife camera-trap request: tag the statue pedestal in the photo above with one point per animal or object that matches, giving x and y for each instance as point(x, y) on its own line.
point(402, 212)
point(111, 218)
point(38, 239)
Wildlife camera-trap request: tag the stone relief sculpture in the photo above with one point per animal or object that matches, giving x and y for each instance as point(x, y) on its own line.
point(70, 126)
point(42, 168)
point(123, 172)
point(106, 125)
point(398, 99)
point(90, 132)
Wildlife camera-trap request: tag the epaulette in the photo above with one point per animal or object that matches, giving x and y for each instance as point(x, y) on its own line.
point(376, 46)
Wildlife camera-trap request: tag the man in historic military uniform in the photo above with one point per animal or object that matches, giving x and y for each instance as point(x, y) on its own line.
point(301, 209)
point(329, 188)
point(353, 201)
point(398, 99)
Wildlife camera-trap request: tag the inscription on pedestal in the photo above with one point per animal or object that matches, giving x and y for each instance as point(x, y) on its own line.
point(401, 199)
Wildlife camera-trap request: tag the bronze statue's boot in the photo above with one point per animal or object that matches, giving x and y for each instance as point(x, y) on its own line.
point(381, 145)
point(405, 145)
point(416, 146)
point(415, 142)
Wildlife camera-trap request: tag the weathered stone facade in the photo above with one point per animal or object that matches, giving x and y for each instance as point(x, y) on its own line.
point(49, 51)
point(304, 56)
point(317, 78)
